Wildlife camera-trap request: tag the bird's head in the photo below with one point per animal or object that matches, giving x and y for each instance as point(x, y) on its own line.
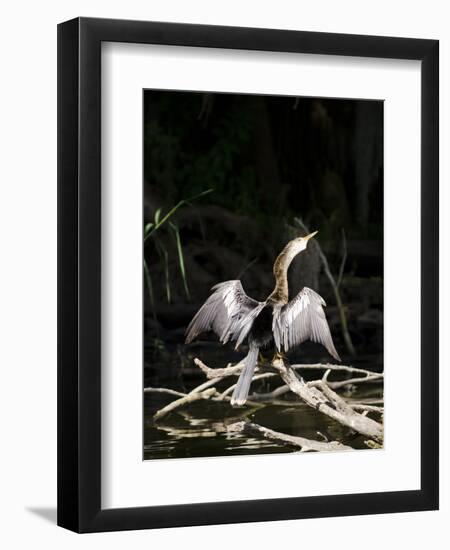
point(289, 252)
point(300, 243)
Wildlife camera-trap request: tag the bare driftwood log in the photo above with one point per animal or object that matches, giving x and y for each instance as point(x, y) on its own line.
point(203, 391)
point(318, 394)
point(219, 373)
point(348, 382)
point(292, 440)
point(324, 399)
point(281, 390)
point(164, 390)
point(366, 407)
point(332, 367)
point(188, 398)
point(235, 370)
point(271, 396)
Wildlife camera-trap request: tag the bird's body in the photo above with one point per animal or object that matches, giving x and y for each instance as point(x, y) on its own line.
point(261, 331)
point(236, 317)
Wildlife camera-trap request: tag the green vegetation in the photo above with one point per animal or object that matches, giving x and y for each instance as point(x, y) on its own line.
point(152, 232)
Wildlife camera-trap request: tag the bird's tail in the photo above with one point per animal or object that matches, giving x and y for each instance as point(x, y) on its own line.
point(242, 388)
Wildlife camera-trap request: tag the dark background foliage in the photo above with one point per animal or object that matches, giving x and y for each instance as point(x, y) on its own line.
point(267, 161)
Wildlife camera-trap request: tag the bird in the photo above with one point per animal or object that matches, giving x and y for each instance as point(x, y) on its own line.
point(277, 321)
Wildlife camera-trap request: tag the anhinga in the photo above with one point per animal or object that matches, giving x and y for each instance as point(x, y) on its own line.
point(234, 316)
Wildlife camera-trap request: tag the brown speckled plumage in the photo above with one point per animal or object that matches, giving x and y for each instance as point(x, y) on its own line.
point(280, 294)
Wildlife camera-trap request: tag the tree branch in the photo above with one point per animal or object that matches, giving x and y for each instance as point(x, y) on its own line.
point(344, 259)
point(337, 294)
point(318, 394)
point(342, 383)
point(164, 390)
point(325, 400)
point(219, 373)
point(256, 377)
point(189, 398)
point(270, 396)
point(286, 439)
point(328, 366)
point(368, 408)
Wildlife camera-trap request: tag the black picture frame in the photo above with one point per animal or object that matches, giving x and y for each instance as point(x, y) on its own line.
point(79, 274)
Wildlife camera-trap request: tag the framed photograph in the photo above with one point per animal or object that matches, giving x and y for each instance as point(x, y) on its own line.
point(247, 274)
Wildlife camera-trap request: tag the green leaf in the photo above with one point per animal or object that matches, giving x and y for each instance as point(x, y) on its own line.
point(163, 253)
point(147, 228)
point(159, 223)
point(176, 232)
point(148, 281)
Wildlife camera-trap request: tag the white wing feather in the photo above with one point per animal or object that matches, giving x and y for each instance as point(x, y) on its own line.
point(303, 318)
point(229, 312)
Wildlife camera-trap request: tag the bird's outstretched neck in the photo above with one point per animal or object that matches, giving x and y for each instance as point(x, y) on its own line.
point(280, 293)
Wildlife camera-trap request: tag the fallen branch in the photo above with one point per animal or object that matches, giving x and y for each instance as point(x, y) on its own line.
point(164, 390)
point(256, 377)
point(318, 394)
point(286, 439)
point(204, 391)
point(270, 396)
point(322, 398)
point(281, 390)
point(235, 370)
point(219, 373)
point(368, 408)
point(333, 367)
point(189, 398)
point(342, 383)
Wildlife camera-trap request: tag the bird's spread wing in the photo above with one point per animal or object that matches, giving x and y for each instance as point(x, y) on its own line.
point(303, 318)
point(229, 312)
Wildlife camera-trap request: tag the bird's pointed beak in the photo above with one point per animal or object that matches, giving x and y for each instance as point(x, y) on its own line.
point(310, 236)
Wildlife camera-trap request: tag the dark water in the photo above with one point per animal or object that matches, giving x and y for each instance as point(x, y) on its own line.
point(200, 429)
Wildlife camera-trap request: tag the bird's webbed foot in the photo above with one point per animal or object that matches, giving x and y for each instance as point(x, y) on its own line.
point(278, 356)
